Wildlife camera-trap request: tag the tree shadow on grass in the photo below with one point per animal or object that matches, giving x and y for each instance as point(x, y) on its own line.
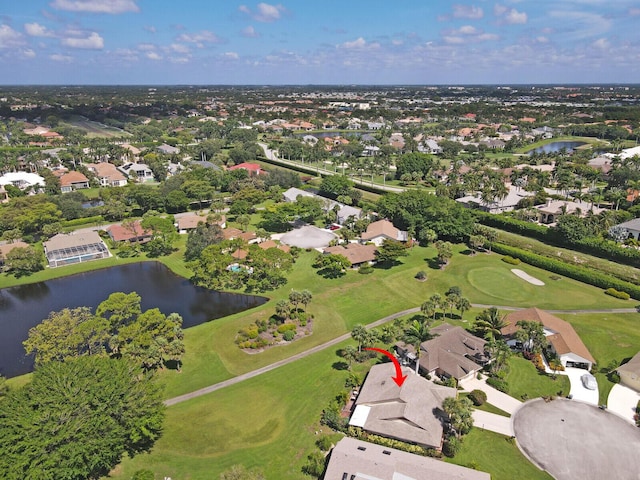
point(468, 252)
point(340, 366)
point(433, 263)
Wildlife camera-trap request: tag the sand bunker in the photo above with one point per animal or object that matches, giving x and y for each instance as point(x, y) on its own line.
point(526, 277)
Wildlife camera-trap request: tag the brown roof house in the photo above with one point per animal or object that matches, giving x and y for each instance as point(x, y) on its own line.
point(453, 352)
point(5, 248)
point(108, 175)
point(378, 232)
point(187, 222)
point(410, 413)
point(133, 233)
point(355, 459)
point(630, 373)
point(73, 180)
point(356, 254)
point(69, 248)
point(560, 334)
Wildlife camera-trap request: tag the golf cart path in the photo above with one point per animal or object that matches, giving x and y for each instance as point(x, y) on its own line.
point(341, 338)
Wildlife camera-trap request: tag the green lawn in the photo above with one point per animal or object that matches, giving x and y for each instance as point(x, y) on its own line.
point(609, 337)
point(495, 454)
point(523, 379)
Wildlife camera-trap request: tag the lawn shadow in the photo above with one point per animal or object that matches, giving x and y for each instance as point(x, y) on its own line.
point(433, 263)
point(468, 252)
point(340, 366)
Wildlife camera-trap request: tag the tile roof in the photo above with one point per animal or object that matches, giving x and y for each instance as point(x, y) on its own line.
point(354, 252)
point(120, 233)
point(564, 338)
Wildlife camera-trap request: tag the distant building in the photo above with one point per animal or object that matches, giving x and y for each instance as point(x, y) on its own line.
point(108, 175)
point(252, 168)
point(5, 248)
point(630, 373)
point(353, 459)
point(22, 180)
point(138, 172)
point(134, 233)
point(378, 232)
point(71, 181)
point(356, 254)
point(168, 149)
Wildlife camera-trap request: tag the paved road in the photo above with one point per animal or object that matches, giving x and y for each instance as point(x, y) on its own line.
point(272, 156)
point(341, 338)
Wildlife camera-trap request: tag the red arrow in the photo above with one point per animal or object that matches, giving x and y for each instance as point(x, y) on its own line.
point(399, 378)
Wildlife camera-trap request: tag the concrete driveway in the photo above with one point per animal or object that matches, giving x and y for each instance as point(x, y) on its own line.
point(574, 440)
point(578, 392)
point(622, 401)
point(494, 397)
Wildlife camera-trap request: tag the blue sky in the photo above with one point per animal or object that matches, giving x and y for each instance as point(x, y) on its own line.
point(328, 42)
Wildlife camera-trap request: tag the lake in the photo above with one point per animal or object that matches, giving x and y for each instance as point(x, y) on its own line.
point(554, 147)
point(26, 306)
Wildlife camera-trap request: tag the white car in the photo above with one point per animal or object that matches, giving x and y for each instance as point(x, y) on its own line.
point(589, 381)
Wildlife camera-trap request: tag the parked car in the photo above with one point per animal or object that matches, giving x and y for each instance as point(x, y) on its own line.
point(589, 381)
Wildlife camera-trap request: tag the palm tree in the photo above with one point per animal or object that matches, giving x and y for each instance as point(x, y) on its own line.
point(283, 308)
point(360, 335)
point(349, 353)
point(415, 334)
point(463, 305)
point(489, 323)
point(305, 298)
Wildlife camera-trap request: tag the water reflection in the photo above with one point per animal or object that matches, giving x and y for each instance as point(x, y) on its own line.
point(24, 307)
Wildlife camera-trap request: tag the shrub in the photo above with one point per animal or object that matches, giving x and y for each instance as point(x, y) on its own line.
point(83, 221)
point(537, 361)
point(617, 294)
point(498, 384)
point(365, 269)
point(478, 397)
point(289, 335)
point(324, 443)
point(286, 327)
point(421, 275)
point(614, 377)
point(511, 260)
point(451, 446)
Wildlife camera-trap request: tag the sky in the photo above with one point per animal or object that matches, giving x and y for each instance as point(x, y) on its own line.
point(299, 42)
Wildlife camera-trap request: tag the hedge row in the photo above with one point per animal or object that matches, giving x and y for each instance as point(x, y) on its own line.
point(598, 247)
point(83, 221)
point(576, 272)
point(512, 225)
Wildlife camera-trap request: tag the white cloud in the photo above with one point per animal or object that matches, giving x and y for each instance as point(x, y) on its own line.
point(150, 29)
point(453, 40)
point(28, 53)
point(487, 37)
point(96, 6)
point(514, 17)
point(179, 59)
point(601, 44)
point(179, 48)
point(231, 55)
point(37, 30)
point(264, 12)
point(153, 56)
point(56, 57)
point(510, 16)
point(467, 11)
point(582, 24)
point(146, 47)
point(250, 32)
point(204, 36)
point(397, 42)
point(92, 42)
point(468, 30)
point(9, 37)
point(542, 39)
point(359, 43)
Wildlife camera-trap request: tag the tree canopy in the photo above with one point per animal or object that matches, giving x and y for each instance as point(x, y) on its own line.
point(76, 419)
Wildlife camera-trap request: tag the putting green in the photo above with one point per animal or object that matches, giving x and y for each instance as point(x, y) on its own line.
point(501, 283)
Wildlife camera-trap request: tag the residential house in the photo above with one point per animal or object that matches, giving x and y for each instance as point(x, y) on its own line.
point(22, 180)
point(343, 212)
point(378, 232)
point(107, 174)
point(353, 459)
point(496, 205)
point(356, 254)
point(69, 248)
point(493, 143)
point(189, 221)
point(73, 180)
point(251, 168)
point(266, 245)
point(430, 146)
point(168, 149)
point(630, 373)
point(549, 213)
point(293, 193)
point(563, 338)
point(632, 226)
point(138, 172)
point(453, 352)
point(396, 140)
point(233, 233)
point(410, 413)
point(5, 248)
point(132, 233)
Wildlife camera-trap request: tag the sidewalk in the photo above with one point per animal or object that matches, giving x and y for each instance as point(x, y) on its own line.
point(493, 422)
point(494, 397)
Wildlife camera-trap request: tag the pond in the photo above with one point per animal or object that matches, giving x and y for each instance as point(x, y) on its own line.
point(26, 306)
point(333, 134)
point(554, 147)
